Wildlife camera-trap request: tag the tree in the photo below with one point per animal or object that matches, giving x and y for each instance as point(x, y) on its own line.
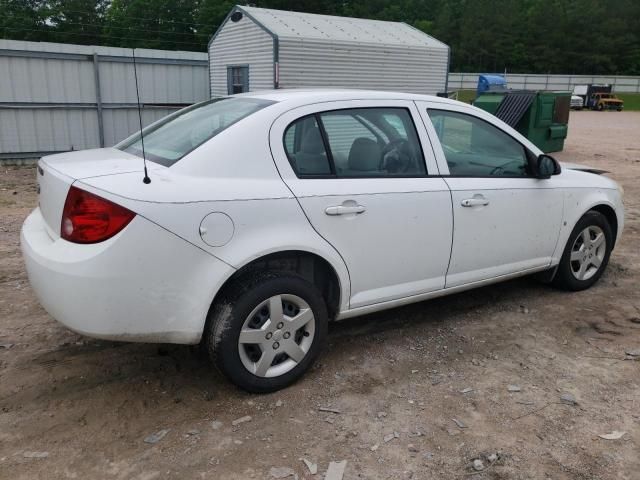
point(24, 20)
point(209, 16)
point(163, 24)
point(527, 36)
point(77, 21)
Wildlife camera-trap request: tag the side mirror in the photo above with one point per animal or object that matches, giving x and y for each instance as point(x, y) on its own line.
point(546, 166)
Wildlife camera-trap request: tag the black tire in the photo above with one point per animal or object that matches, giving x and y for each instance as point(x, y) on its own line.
point(227, 316)
point(565, 278)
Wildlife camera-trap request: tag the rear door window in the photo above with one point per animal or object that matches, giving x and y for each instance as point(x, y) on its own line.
point(305, 148)
point(363, 142)
point(342, 128)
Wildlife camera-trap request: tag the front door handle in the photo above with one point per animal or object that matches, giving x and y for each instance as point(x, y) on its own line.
point(344, 209)
point(474, 202)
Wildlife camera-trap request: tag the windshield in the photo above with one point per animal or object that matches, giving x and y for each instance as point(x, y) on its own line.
point(180, 133)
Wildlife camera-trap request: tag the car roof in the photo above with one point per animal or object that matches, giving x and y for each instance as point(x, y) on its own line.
point(312, 95)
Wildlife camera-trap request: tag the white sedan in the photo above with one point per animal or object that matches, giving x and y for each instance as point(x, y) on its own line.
point(270, 214)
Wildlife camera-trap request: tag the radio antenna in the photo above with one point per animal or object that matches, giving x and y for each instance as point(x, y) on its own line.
point(146, 178)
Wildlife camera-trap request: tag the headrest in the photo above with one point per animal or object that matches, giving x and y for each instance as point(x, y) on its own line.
point(365, 155)
point(312, 142)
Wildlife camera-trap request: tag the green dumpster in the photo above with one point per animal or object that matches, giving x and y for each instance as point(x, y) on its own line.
point(542, 117)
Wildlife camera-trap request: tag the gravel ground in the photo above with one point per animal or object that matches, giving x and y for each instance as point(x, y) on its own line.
point(417, 392)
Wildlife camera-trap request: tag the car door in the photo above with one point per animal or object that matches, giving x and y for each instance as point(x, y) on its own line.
point(506, 221)
point(360, 175)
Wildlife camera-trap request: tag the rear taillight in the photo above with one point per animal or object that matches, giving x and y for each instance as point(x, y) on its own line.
point(87, 218)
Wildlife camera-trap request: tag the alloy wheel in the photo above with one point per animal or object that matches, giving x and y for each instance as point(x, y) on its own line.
point(276, 336)
point(588, 252)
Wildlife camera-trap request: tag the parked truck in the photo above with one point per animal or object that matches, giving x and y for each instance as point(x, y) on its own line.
point(605, 101)
point(597, 97)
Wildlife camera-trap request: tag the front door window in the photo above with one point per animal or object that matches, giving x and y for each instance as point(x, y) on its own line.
point(475, 148)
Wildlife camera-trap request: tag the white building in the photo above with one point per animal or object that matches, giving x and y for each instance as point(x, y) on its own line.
point(258, 49)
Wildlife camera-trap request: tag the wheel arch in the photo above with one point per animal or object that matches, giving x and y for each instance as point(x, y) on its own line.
point(309, 265)
point(561, 275)
point(611, 216)
point(576, 206)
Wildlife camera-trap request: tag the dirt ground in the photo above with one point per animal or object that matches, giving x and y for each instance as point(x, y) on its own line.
point(73, 407)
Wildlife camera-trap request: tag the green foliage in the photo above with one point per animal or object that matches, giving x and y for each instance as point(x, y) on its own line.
point(77, 21)
point(23, 19)
point(210, 14)
point(527, 36)
point(162, 24)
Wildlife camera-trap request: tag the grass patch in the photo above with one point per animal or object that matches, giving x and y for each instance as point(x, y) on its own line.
point(631, 100)
point(466, 96)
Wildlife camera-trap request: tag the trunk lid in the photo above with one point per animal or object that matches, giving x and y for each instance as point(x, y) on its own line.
point(56, 173)
point(93, 163)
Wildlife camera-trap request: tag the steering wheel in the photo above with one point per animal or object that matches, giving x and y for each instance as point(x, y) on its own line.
point(500, 168)
point(396, 156)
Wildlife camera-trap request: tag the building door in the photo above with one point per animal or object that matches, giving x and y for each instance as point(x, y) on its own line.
point(237, 79)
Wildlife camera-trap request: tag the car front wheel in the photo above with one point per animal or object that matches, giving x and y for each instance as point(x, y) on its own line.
point(586, 254)
point(266, 331)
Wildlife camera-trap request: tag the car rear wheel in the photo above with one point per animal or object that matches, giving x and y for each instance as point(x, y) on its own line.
point(586, 254)
point(267, 331)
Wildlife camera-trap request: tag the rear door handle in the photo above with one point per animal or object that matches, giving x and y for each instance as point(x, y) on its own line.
point(474, 202)
point(344, 210)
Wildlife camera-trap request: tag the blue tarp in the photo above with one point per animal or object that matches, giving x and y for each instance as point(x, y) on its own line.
point(491, 83)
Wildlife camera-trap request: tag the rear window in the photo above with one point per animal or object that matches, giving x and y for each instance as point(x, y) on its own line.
point(180, 133)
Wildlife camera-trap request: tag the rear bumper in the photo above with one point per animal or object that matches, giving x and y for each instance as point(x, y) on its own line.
point(145, 284)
